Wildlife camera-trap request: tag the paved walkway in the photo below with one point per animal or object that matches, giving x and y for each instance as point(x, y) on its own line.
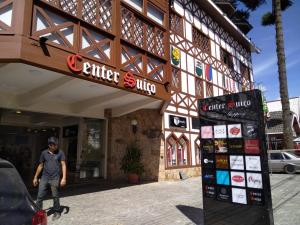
point(166, 203)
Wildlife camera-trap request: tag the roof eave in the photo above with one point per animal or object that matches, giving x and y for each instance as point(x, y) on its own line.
point(211, 7)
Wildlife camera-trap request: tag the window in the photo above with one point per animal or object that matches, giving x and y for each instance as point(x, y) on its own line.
point(141, 33)
point(244, 71)
point(286, 156)
point(276, 156)
point(201, 41)
point(176, 23)
point(171, 152)
point(176, 78)
point(177, 151)
point(226, 58)
point(209, 90)
point(182, 152)
point(155, 14)
point(199, 88)
point(137, 4)
point(148, 10)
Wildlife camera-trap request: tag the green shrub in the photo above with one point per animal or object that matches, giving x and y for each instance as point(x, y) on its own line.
point(131, 161)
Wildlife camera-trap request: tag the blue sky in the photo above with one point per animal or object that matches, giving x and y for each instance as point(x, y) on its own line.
point(265, 64)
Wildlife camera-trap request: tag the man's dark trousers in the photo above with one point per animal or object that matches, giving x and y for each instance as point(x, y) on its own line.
point(54, 185)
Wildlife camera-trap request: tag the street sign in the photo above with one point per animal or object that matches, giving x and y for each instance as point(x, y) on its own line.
point(235, 174)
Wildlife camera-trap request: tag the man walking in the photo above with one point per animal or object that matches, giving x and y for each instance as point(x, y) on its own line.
point(51, 161)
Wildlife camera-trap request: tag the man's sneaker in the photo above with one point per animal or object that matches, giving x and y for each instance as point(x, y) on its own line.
point(55, 216)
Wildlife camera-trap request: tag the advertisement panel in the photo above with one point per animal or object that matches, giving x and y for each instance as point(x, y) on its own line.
point(236, 162)
point(238, 179)
point(223, 193)
point(252, 146)
point(234, 131)
point(206, 132)
point(220, 131)
point(222, 162)
point(239, 196)
point(221, 146)
point(235, 176)
point(222, 177)
point(208, 161)
point(253, 163)
point(254, 180)
point(209, 191)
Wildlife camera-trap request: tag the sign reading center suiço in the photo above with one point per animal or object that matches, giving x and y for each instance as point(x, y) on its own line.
point(77, 65)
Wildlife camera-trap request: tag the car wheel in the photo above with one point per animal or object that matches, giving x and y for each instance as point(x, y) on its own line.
point(290, 169)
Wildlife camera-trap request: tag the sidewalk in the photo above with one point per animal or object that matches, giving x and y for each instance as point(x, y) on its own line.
point(166, 203)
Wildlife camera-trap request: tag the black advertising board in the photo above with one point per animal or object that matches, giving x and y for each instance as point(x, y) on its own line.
point(235, 174)
point(177, 121)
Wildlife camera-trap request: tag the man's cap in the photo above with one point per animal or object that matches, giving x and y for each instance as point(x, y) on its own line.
point(53, 140)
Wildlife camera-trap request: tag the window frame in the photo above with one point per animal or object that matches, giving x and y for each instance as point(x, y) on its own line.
point(177, 144)
point(178, 89)
point(276, 153)
point(144, 12)
point(148, 4)
point(199, 80)
point(179, 32)
point(224, 53)
point(203, 37)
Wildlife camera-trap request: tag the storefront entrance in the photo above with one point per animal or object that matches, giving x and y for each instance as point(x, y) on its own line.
point(23, 135)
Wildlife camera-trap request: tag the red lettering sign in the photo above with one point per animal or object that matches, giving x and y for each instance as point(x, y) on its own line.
point(129, 80)
point(231, 104)
point(72, 63)
point(204, 107)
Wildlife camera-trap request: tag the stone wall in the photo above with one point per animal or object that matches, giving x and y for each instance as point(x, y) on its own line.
point(148, 138)
point(173, 174)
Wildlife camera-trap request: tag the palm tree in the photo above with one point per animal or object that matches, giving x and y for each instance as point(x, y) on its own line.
point(274, 18)
point(271, 19)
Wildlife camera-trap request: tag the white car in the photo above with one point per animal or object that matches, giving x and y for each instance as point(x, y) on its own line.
point(284, 162)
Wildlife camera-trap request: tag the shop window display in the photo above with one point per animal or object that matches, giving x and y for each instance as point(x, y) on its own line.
point(92, 155)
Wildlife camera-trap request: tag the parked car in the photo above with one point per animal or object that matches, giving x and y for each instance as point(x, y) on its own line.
point(16, 204)
point(284, 162)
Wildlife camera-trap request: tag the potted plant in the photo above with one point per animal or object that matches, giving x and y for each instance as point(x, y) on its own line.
point(131, 163)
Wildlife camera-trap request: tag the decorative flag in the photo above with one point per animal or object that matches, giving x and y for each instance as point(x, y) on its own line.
point(208, 72)
point(199, 69)
point(175, 55)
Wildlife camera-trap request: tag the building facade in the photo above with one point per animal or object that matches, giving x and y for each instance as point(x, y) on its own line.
point(206, 60)
point(274, 125)
point(88, 71)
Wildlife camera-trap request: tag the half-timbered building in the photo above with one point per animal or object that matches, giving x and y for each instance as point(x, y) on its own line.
point(210, 56)
point(102, 74)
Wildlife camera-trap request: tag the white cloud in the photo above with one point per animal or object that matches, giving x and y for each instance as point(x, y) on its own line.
point(292, 63)
point(262, 67)
point(268, 65)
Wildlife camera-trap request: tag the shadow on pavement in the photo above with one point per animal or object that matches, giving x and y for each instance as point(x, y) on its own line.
point(85, 188)
point(193, 213)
